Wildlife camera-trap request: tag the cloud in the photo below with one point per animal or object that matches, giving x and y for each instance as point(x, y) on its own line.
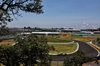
point(85, 24)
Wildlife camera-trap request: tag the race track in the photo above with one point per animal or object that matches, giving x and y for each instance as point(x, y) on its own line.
point(82, 46)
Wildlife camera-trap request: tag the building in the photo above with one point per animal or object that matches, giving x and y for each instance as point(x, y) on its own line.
point(41, 33)
point(71, 30)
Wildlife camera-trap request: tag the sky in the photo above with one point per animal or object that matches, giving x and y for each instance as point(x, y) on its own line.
point(80, 14)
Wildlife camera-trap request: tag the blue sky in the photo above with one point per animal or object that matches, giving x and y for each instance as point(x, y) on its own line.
point(63, 13)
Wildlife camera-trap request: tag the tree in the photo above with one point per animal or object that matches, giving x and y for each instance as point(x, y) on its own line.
point(4, 31)
point(27, 51)
point(9, 56)
point(78, 59)
point(13, 7)
point(28, 28)
point(34, 48)
point(98, 40)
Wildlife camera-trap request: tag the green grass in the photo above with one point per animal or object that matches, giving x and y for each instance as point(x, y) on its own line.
point(7, 42)
point(55, 63)
point(96, 35)
point(63, 48)
point(54, 39)
point(95, 47)
point(84, 39)
point(52, 64)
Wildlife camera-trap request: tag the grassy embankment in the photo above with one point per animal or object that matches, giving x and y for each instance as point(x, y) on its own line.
point(84, 39)
point(50, 39)
point(52, 64)
point(57, 40)
point(96, 35)
point(95, 46)
point(63, 48)
point(56, 63)
point(7, 42)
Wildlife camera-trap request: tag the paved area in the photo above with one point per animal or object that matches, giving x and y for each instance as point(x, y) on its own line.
point(82, 46)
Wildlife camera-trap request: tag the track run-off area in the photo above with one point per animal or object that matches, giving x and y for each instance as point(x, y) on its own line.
point(82, 47)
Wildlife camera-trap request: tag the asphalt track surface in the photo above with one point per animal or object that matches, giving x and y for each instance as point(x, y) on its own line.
point(82, 47)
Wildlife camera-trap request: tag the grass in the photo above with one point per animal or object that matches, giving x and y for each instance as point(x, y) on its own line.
point(50, 39)
point(63, 48)
point(55, 63)
point(96, 35)
point(52, 64)
point(95, 47)
point(7, 42)
point(84, 39)
point(1, 64)
point(54, 39)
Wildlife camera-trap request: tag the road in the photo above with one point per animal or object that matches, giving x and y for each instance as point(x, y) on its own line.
point(82, 46)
